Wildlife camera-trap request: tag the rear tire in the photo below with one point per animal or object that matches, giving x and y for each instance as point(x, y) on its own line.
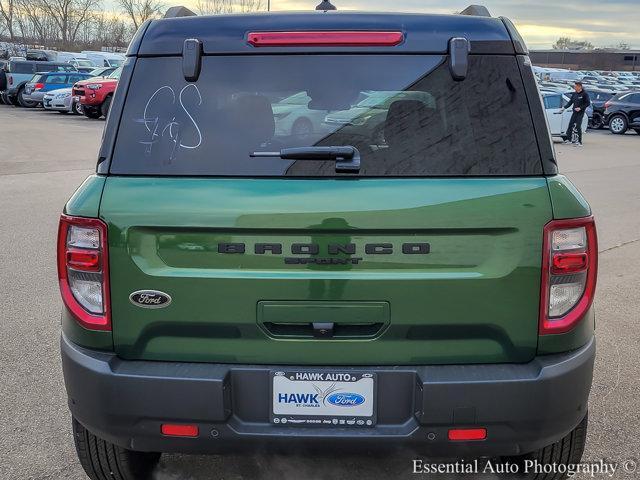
point(106, 106)
point(23, 102)
point(567, 451)
point(597, 121)
point(91, 112)
point(302, 127)
point(618, 124)
point(102, 460)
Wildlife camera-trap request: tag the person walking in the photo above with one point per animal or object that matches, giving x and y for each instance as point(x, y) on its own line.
point(580, 101)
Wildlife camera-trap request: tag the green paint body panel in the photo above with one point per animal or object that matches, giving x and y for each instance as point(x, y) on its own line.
point(96, 340)
point(566, 200)
point(473, 298)
point(85, 201)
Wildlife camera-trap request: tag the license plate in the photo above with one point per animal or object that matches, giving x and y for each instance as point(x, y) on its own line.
point(323, 398)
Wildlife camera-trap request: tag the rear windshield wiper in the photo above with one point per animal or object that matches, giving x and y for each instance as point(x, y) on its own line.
point(347, 157)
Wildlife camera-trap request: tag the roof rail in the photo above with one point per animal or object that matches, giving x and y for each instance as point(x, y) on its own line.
point(179, 11)
point(476, 10)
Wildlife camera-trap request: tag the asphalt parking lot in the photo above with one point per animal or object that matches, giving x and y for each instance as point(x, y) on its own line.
point(44, 156)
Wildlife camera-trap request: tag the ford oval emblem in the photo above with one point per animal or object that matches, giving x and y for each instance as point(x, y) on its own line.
point(345, 399)
point(150, 299)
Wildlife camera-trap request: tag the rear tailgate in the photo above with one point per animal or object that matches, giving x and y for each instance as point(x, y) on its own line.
point(463, 289)
point(429, 253)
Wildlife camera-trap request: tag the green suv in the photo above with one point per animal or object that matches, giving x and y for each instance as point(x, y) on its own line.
point(426, 280)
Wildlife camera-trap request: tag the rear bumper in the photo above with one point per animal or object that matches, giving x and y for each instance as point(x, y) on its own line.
point(523, 406)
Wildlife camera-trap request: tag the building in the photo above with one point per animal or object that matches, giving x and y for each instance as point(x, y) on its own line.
point(587, 59)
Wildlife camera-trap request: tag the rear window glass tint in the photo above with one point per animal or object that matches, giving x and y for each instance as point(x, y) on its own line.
point(21, 67)
point(404, 114)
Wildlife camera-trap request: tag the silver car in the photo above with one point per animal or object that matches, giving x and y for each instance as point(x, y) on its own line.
point(62, 101)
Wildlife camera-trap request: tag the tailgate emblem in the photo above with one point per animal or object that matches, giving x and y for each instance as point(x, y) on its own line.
point(150, 299)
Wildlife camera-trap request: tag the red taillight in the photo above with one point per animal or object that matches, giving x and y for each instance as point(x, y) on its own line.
point(467, 434)
point(563, 263)
point(569, 271)
point(176, 430)
point(607, 104)
point(80, 259)
point(325, 38)
point(38, 86)
point(83, 270)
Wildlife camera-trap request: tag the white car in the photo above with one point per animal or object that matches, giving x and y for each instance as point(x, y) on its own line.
point(558, 118)
point(61, 100)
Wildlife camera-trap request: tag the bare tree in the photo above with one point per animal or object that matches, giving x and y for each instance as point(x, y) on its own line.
point(68, 15)
point(566, 43)
point(139, 11)
point(249, 5)
point(36, 24)
point(213, 7)
point(7, 17)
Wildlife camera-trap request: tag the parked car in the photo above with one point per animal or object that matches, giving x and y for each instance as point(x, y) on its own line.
point(294, 117)
point(554, 86)
point(365, 121)
point(431, 288)
point(558, 118)
point(95, 94)
point(102, 71)
point(61, 100)
point(41, 83)
point(104, 59)
point(622, 112)
point(21, 71)
point(598, 99)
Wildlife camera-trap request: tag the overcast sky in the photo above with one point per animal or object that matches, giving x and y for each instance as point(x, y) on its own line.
point(541, 22)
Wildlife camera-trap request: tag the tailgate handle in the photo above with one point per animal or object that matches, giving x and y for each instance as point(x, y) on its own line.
point(322, 330)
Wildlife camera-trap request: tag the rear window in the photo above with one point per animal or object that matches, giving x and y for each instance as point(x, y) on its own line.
point(21, 67)
point(404, 114)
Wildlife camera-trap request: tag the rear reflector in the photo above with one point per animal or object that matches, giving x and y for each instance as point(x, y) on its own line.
point(466, 434)
point(325, 38)
point(173, 430)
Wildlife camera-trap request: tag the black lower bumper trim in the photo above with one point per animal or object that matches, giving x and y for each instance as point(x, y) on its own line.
point(523, 406)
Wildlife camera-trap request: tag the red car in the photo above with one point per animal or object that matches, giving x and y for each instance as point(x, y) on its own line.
point(95, 94)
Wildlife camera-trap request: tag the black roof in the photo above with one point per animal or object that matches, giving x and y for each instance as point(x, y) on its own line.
point(424, 33)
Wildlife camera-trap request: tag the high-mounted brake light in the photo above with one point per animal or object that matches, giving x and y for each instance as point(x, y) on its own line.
point(325, 38)
point(569, 271)
point(83, 270)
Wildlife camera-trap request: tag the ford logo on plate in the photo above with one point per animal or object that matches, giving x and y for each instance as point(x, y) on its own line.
point(345, 399)
point(150, 299)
